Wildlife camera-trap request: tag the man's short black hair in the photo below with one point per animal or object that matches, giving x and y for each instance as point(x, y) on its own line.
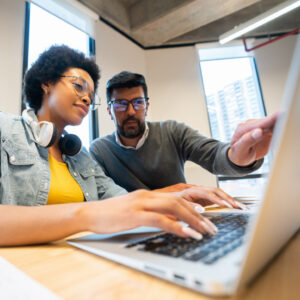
point(125, 79)
point(49, 67)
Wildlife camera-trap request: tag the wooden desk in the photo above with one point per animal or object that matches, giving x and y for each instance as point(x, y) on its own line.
point(75, 274)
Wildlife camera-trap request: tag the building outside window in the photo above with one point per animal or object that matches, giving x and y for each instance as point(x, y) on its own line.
point(233, 95)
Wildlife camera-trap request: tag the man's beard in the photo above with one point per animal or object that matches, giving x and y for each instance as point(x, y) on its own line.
point(131, 132)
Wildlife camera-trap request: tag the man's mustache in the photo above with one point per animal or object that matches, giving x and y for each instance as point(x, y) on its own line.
point(131, 119)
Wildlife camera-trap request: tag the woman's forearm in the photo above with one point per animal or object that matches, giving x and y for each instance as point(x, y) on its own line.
point(21, 225)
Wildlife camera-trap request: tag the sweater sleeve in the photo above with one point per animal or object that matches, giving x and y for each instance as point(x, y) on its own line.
point(209, 153)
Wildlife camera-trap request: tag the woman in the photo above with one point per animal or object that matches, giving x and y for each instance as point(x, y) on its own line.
point(60, 89)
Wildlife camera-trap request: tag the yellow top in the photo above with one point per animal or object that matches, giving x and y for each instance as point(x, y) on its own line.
point(63, 187)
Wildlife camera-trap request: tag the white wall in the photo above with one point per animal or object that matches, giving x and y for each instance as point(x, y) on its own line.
point(12, 13)
point(175, 92)
point(273, 62)
point(114, 53)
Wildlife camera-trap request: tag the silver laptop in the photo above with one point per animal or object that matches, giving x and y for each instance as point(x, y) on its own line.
point(246, 242)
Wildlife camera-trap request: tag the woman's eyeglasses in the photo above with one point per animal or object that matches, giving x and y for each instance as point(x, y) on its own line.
point(120, 105)
point(82, 89)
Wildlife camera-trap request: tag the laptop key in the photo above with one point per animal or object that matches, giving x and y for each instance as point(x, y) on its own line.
point(208, 250)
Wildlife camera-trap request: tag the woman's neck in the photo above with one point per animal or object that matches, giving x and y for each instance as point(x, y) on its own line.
point(45, 115)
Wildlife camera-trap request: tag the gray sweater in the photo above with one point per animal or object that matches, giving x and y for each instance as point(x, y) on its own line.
point(160, 161)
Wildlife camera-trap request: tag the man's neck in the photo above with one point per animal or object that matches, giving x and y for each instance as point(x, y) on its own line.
point(130, 142)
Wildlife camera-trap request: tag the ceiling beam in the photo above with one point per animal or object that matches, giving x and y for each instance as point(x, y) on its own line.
point(113, 11)
point(156, 23)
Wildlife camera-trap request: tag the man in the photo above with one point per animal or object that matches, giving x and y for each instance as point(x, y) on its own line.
point(151, 155)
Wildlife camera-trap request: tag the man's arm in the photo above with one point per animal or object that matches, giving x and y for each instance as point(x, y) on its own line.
point(207, 152)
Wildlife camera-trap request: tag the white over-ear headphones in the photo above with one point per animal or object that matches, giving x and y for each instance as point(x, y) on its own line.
point(45, 133)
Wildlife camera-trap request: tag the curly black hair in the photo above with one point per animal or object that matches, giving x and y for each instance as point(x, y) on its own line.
point(125, 79)
point(49, 67)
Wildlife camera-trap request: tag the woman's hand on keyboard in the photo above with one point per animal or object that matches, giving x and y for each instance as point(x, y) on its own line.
point(145, 208)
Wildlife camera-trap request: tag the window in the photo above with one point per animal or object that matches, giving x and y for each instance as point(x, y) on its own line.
point(46, 29)
point(233, 96)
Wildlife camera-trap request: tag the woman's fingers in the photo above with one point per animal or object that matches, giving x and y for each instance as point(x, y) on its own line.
point(204, 222)
point(171, 217)
point(197, 207)
point(169, 204)
point(169, 225)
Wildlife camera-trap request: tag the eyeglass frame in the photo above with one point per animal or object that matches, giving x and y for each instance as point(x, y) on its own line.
point(146, 99)
point(94, 103)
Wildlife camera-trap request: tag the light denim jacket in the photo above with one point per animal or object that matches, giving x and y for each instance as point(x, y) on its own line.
point(25, 172)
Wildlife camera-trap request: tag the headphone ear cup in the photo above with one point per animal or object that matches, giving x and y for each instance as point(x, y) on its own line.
point(48, 134)
point(70, 144)
point(45, 133)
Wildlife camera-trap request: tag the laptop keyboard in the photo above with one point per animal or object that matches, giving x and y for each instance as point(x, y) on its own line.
point(208, 250)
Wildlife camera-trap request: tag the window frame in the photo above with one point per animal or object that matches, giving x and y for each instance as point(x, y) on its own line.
point(254, 66)
point(93, 120)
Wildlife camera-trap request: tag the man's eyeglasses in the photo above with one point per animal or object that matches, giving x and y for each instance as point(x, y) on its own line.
point(82, 89)
point(120, 105)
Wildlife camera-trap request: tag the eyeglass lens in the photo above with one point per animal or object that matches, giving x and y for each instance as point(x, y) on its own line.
point(82, 88)
point(122, 104)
